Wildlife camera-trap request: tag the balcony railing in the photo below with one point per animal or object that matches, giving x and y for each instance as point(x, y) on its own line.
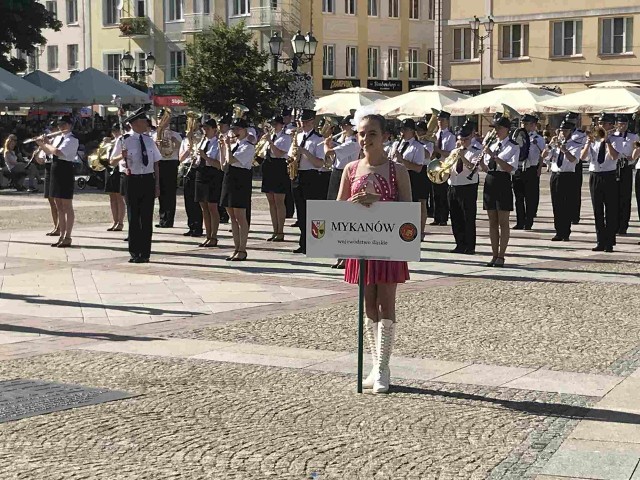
point(197, 22)
point(134, 27)
point(263, 17)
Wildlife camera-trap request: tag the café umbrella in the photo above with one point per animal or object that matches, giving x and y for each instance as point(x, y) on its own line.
point(341, 102)
point(612, 97)
point(17, 91)
point(419, 102)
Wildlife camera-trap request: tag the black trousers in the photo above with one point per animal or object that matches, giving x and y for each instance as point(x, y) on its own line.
point(440, 203)
point(575, 217)
point(524, 190)
point(536, 192)
point(313, 185)
point(288, 202)
point(638, 191)
point(296, 195)
point(430, 200)
point(624, 204)
point(140, 198)
point(604, 197)
point(563, 199)
point(463, 201)
point(194, 213)
point(168, 187)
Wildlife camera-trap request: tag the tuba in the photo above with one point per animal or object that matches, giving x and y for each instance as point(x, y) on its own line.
point(99, 160)
point(432, 128)
point(164, 140)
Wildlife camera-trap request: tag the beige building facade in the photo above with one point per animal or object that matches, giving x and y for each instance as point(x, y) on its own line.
point(567, 44)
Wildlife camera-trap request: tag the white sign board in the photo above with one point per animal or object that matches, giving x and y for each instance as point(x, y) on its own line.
point(384, 231)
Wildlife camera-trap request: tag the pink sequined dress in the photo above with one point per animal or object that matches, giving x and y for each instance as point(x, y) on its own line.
point(377, 271)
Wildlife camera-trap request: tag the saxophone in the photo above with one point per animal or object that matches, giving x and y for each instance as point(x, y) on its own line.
point(164, 140)
point(293, 162)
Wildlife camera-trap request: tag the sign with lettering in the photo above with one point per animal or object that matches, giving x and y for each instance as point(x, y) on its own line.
point(169, 101)
point(166, 89)
point(420, 83)
point(384, 231)
point(339, 83)
point(385, 85)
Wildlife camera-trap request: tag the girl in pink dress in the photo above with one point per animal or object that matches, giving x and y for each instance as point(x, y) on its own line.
point(371, 179)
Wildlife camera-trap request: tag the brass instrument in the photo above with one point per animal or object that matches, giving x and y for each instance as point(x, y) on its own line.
point(99, 159)
point(293, 162)
point(239, 110)
point(597, 134)
point(439, 170)
point(194, 136)
point(164, 140)
point(326, 131)
point(432, 128)
point(262, 147)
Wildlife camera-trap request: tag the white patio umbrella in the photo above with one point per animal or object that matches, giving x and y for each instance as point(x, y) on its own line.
point(613, 97)
point(17, 91)
point(43, 80)
point(341, 102)
point(92, 87)
point(523, 97)
point(419, 101)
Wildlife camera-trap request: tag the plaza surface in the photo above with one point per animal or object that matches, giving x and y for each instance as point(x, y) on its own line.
point(247, 370)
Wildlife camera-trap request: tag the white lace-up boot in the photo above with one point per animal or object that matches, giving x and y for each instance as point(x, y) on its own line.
point(386, 334)
point(371, 332)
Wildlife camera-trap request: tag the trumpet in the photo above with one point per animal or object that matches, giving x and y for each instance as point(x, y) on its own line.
point(598, 134)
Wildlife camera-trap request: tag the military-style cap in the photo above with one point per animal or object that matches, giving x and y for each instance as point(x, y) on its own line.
point(286, 112)
point(239, 123)
point(529, 118)
point(444, 115)
point(347, 120)
point(408, 123)
point(210, 122)
point(277, 119)
point(115, 126)
point(622, 118)
point(571, 116)
point(470, 123)
point(421, 125)
point(226, 120)
point(137, 115)
point(465, 132)
point(567, 125)
point(501, 122)
point(64, 119)
point(307, 114)
point(607, 118)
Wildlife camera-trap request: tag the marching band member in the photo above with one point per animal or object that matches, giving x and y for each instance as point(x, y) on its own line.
point(603, 186)
point(635, 156)
point(236, 186)
point(168, 173)
point(275, 177)
point(63, 150)
point(445, 143)
point(421, 130)
point(313, 176)
point(526, 182)
point(463, 193)
point(191, 206)
point(563, 155)
point(579, 136)
point(500, 160)
point(289, 128)
point(209, 178)
point(112, 185)
point(224, 127)
point(409, 152)
point(623, 142)
point(142, 157)
point(41, 157)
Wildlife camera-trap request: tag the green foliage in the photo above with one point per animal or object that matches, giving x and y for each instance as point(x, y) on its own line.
point(225, 66)
point(140, 85)
point(21, 24)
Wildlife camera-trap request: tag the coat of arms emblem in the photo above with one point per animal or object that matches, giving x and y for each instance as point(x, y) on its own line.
point(317, 228)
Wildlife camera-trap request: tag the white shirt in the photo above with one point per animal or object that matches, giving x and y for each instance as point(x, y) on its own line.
point(116, 149)
point(346, 152)
point(211, 148)
point(314, 143)
point(609, 163)
point(462, 178)
point(507, 151)
point(10, 159)
point(411, 150)
point(448, 139)
point(243, 151)
point(171, 135)
point(134, 153)
point(68, 145)
point(624, 144)
point(184, 146)
point(536, 146)
point(575, 148)
point(282, 142)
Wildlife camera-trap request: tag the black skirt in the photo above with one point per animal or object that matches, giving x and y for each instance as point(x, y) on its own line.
point(62, 179)
point(334, 184)
point(236, 188)
point(419, 184)
point(112, 185)
point(47, 180)
point(275, 177)
point(208, 184)
point(497, 194)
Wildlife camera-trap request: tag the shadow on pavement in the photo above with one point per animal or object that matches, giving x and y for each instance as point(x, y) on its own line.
point(4, 327)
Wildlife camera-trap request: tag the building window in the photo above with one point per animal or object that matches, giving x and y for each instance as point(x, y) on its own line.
point(515, 41)
point(350, 7)
point(241, 7)
point(394, 8)
point(72, 57)
point(372, 8)
point(373, 60)
point(414, 9)
point(432, 9)
point(414, 66)
point(206, 7)
point(175, 10)
point(112, 65)
point(328, 60)
point(352, 61)
point(33, 62)
point(52, 7)
point(430, 60)
point(52, 57)
point(617, 35)
point(567, 38)
point(463, 44)
point(111, 12)
point(72, 11)
point(140, 8)
point(177, 61)
point(329, 6)
point(393, 57)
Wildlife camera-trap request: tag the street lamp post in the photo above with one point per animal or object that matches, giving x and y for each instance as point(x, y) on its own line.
point(130, 67)
point(304, 49)
point(475, 27)
point(407, 62)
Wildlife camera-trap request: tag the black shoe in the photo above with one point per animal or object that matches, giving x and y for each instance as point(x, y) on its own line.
point(469, 251)
point(434, 223)
point(517, 227)
point(160, 225)
point(442, 224)
point(188, 234)
point(566, 239)
point(457, 250)
point(609, 249)
point(295, 224)
point(598, 248)
point(133, 260)
point(300, 250)
point(557, 238)
point(141, 260)
point(622, 232)
point(126, 239)
point(528, 227)
point(575, 222)
point(33, 190)
point(197, 234)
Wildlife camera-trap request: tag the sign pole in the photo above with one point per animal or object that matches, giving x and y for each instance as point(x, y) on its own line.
point(361, 284)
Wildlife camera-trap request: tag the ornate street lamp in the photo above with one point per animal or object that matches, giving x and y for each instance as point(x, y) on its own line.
point(304, 49)
point(128, 64)
point(475, 28)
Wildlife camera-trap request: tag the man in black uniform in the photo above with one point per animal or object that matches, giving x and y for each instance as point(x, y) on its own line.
point(526, 180)
point(445, 143)
point(194, 212)
point(577, 136)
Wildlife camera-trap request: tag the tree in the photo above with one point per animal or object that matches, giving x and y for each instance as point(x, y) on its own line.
point(225, 66)
point(21, 24)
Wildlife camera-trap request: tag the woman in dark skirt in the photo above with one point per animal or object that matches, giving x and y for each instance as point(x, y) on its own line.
point(237, 161)
point(42, 158)
point(112, 185)
point(500, 160)
point(275, 177)
point(64, 149)
point(209, 181)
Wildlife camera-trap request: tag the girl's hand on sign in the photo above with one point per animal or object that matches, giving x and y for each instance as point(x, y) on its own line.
point(365, 198)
